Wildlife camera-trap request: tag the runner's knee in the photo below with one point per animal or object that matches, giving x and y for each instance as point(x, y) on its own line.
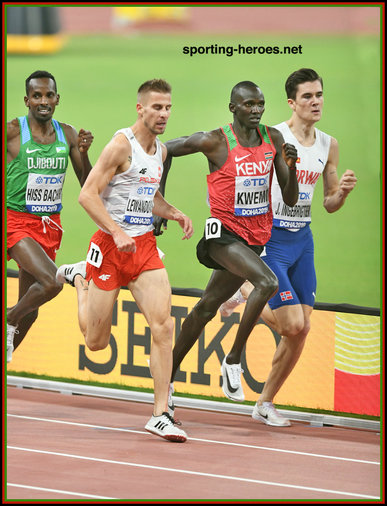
point(297, 329)
point(51, 286)
point(162, 332)
point(267, 285)
point(96, 343)
point(97, 335)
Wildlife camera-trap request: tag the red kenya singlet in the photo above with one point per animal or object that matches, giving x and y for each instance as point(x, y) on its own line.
point(239, 192)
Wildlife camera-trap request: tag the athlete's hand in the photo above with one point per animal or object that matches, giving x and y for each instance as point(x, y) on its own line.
point(85, 138)
point(185, 223)
point(289, 154)
point(124, 242)
point(347, 182)
point(159, 222)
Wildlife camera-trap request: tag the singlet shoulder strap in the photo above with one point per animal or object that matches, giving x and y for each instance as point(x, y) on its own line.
point(59, 131)
point(232, 142)
point(24, 129)
point(265, 133)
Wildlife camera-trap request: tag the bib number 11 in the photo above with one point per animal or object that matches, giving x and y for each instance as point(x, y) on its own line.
point(94, 256)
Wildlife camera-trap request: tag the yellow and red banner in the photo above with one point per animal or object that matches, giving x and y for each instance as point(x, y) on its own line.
point(339, 369)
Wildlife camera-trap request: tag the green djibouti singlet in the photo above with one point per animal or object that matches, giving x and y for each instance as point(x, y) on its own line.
point(35, 177)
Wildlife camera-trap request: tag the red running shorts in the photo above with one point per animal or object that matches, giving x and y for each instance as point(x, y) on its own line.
point(45, 230)
point(111, 269)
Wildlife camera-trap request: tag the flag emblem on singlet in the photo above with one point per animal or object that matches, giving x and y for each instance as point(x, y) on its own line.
point(298, 160)
point(286, 295)
point(269, 155)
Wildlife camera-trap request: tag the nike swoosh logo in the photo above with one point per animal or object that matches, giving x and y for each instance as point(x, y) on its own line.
point(232, 390)
point(321, 161)
point(241, 158)
point(32, 150)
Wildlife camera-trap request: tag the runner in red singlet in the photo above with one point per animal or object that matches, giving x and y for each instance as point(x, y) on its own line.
point(241, 157)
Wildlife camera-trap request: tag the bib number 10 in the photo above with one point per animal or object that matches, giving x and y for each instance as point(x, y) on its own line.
point(213, 228)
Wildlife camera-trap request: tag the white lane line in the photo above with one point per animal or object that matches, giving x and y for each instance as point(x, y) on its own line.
point(66, 492)
point(265, 448)
point(194, 473)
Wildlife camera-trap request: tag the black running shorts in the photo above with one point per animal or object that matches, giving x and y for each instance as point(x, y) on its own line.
point(226, 237)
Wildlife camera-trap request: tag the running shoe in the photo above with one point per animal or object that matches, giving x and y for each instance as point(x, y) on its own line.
point(267, 413)
point(66, 273)
point(232, 386)
point(11, 331)
point(164, 427)
point(227, 308)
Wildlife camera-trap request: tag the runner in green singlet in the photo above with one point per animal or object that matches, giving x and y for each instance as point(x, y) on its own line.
point(38, 148)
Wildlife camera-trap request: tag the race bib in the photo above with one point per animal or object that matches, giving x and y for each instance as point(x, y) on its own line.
point(251, 195)
point(139, 206)
point(44, 193)
point(94, 255)
point(213, 228)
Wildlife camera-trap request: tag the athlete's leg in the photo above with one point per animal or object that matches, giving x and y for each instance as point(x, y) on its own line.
point(82, 287)
point(41, 285)
point(95, 311)
point(152, 293)
point(240, 260)
point(289, 349)
point(269, 317)
point(25, 281)
point(220, 287)
point(241, 296)
point(297, 287)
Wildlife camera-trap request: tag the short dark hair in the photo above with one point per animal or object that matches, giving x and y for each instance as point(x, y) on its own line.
point(298, 77)
point(155, 85)
point(37, 75)
point(242, 84)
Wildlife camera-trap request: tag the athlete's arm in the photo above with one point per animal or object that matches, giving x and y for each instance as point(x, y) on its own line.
point(159, 222)
point(285, 167)
point(335, 191)
point(211, 144)
point(165, 210)
point(112, 159)
point(13, 139)
point(187, 145)
point(79, 143)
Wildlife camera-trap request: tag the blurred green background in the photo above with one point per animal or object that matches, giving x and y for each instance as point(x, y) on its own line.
point(98, 77)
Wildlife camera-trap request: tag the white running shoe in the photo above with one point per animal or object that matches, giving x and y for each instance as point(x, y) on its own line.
point(267, 413)
point(164, 426)
point(232, 386)
point(11, 331)
point(227, 308)
point(67, 272)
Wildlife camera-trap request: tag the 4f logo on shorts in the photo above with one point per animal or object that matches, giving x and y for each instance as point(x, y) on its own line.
point(286, 295)
point(104, 277)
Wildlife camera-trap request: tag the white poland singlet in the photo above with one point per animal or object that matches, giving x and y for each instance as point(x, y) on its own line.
point(310, 164)
point(129, 196)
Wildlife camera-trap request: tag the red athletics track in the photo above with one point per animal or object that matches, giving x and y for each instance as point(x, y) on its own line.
point(69, 447)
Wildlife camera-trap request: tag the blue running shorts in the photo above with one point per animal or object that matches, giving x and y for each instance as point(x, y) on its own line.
point(290, 255)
